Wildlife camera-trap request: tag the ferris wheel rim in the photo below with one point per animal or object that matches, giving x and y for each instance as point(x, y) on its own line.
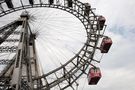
point(55, 6)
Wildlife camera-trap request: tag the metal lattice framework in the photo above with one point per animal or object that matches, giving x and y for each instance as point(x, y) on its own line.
point(80, 62)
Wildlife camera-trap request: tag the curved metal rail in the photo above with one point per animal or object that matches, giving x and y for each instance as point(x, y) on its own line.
point(82, 60)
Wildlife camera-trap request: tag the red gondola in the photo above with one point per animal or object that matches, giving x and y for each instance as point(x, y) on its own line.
point(105, 45)
point(51, 2)
point(101, 22)
point(94, 75)
point(31, 2)
point(70, 3)
point(9, 3)
point(87, 9)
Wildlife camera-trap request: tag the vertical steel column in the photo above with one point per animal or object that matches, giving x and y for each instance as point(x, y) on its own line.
point(16, 77)
point(26, 65)
point(33, 60)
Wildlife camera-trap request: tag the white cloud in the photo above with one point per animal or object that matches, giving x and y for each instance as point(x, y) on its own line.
point(117, 11)
point(118, 65)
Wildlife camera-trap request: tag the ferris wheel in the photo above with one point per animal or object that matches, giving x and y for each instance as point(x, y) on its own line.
point(65, 32)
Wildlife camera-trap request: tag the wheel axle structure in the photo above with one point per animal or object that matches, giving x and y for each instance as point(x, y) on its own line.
point(22, 71)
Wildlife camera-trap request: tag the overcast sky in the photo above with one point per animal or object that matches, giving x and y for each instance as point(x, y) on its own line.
point(118, 65)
